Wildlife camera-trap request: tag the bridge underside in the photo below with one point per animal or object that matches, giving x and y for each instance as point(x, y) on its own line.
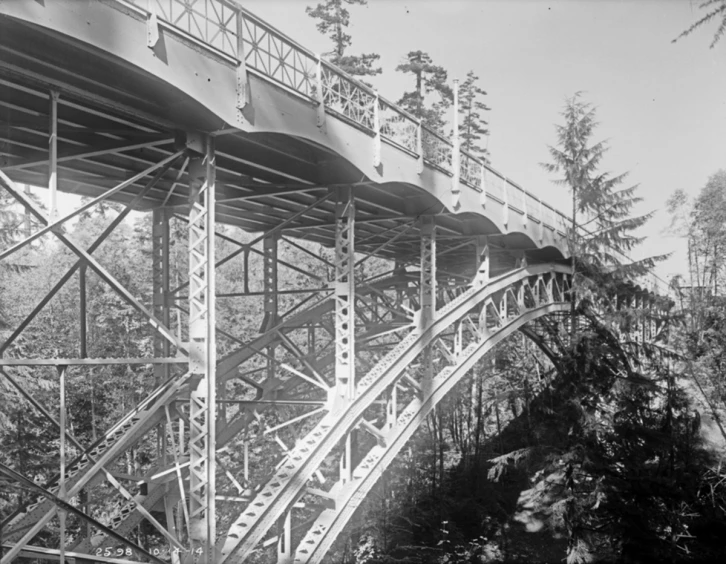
point(407, 299)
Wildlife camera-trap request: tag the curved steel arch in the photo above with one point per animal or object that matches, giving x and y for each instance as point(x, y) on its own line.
point(500, 307)
point(331, 522)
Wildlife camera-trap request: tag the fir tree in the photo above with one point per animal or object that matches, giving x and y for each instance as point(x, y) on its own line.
point(334, 18)
point(430, 79)
point(601, 225)
point(473, 125)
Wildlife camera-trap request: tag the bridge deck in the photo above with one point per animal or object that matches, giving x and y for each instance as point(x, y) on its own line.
point(122, 102)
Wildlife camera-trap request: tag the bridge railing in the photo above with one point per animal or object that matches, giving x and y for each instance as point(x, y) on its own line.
point(233, 32)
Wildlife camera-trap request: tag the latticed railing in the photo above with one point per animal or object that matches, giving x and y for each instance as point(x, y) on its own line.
point(398, 126)
point(276, 57)
point(234, 32)
point(213, 22)
point(436, 150)
point(348, 99)
point(470, 171)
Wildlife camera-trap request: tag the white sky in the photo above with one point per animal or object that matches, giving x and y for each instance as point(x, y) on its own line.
point(662, 106)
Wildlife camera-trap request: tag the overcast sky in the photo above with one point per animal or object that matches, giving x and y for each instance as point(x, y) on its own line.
point(662, 106)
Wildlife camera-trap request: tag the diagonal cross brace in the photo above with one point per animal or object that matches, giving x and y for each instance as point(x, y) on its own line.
point(112, 480)
point(59, 222)
point(61, 504)
point(106, 276)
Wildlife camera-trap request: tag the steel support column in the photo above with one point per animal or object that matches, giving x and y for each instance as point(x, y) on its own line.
point(456, 149)
point(284, 539)
point(427, 298)
point(428, 270)
point(483, 265)
point(62, 481)
point(53, 157)
point(271, 317)
point(269, 256)
point(161, 287)
point(202, 352)
point(344, 296)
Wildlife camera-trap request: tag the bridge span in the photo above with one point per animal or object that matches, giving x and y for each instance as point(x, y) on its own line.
point(199, 109)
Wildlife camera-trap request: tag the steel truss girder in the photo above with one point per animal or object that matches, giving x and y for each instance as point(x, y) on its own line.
point(286, 485)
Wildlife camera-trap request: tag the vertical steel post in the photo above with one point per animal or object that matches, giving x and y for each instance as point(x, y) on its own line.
point(53, 157)
point(483, 186)
point(202, 352)
point(505, 197)
point(456, 149)
point(284, 539)
point(391, 407)
point(161, 286)
point(541, 221)
point(83, 350)
point(346, 459)
point(320, 96)
point(427, 290)
point(482, 259)
point(26, 222)
point(269, 257)
point(160, 304)
point(243, 89)
point(271, 318)
point(83, 306)
point(376, 131)
point(152, 25)
point(344, 295)
point(428, 270)
point(62, 480)
point(419, 149)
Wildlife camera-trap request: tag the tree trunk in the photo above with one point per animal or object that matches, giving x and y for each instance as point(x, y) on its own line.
point(573, 325)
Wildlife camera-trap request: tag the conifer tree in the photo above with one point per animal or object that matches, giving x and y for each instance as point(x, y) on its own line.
point(473, 125)
point(430, 79)
point(601, 225)
point(334, 18)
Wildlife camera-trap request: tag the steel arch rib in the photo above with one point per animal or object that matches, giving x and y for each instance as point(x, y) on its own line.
point(285, 486)
point(331, 522)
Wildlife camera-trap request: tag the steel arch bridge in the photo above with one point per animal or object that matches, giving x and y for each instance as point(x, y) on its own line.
point(203, 111)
